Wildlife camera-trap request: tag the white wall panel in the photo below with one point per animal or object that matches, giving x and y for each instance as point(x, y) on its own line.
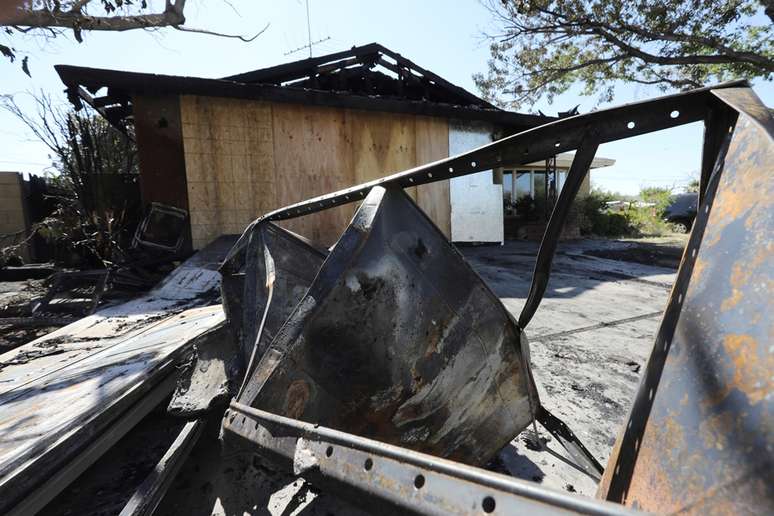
point(476, 203)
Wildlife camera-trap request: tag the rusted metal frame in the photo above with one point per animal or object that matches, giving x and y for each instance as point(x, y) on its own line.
point(622, 474)
point(713, 352)
point(719, 118)
point(389, 479)
point(540, 276)
point(150, 493)
point(624, 460)
point(531, 145)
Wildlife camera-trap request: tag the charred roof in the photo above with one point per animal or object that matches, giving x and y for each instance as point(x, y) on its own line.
point(369, 77)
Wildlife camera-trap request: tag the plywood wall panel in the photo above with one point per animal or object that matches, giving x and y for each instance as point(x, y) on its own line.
point(382, 144)
point(229, 156)
point(313, 156)
point(246, 158)
point(432, 144)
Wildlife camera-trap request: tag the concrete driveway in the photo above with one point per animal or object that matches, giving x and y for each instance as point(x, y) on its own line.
point(589, 341)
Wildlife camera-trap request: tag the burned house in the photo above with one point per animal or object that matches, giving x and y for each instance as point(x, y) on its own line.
point(229, 150)
point(386, 371)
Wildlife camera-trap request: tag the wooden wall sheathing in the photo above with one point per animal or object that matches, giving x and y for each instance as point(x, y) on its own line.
point(432, 141)
point(245, 158)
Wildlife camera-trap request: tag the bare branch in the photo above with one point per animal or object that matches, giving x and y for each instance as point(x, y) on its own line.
point(220, 34)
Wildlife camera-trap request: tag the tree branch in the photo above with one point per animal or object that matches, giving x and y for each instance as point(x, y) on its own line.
point(731, 55)
point(677, 60)
point(220, 34)
point(75, 19)
point(543, 47)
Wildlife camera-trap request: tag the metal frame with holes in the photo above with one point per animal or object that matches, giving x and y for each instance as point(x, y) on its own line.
point(403, 481)
point(709, 369)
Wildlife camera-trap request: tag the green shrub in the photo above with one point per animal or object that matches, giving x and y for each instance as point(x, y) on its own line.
point(595, 218)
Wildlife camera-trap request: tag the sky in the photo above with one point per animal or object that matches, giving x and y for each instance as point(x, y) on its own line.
point(442, 36)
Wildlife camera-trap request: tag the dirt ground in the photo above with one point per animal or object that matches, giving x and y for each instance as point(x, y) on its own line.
point(15, 296)
point(589, 339)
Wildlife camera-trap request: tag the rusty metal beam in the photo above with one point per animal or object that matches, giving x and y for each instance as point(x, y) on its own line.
point(700, 435)
point(719, 120)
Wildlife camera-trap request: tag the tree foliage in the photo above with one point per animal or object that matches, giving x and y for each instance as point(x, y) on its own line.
point(542, 47)
point(92, 161)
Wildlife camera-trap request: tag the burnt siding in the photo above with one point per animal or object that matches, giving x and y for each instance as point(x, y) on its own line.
point(160, 147)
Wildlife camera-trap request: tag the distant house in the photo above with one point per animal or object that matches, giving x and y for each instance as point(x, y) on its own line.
point(229, 150)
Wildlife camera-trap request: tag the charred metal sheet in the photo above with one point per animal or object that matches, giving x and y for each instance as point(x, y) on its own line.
point(264, 277)
point(700, 436)
point(398, 339)
point(385, 479)
point(207, 381)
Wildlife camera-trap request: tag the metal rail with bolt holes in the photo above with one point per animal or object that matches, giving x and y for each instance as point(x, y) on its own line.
point(403, 481)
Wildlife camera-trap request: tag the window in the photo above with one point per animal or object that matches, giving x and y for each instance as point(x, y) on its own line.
point(508, 186)
point(524, 184)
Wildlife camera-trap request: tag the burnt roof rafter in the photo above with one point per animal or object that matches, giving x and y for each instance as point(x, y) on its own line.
point(305, 72)
point(369, 77)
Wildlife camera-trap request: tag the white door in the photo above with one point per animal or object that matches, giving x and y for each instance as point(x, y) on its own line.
point(476, 202)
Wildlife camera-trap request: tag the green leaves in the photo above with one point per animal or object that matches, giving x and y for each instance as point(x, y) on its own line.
point(543, 47)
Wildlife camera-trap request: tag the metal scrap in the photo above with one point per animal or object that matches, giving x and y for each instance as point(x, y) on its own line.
point(337, 359)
